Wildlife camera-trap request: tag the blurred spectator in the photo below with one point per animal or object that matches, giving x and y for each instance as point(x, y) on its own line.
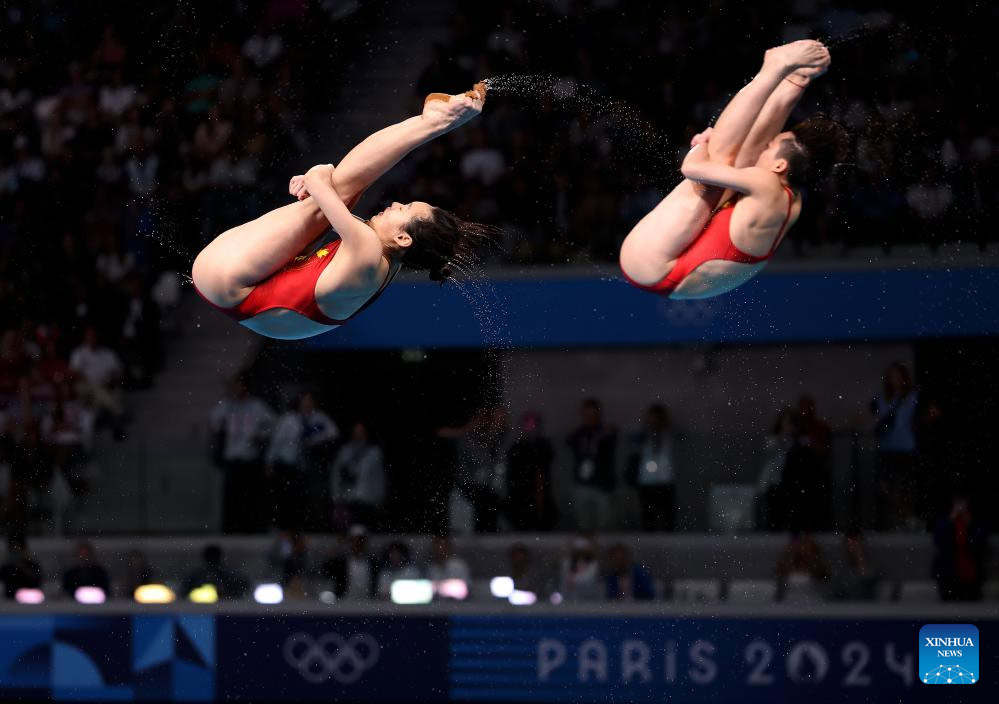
point(140, 333)
point(396, 564)
point(627, 580)
point(357, 481)
point(69, 431)
point(579, 572)
point(353, 572)
point(29, 461)
point(961, 541)
point(296, 432)
point(805, 483)
point(242, 425)
point(853, 578)
point(771, 502)
point(101, 372)
point(482, 161)
point(289, 558)
point(593, 445)
point(481, 464)
point(19, 570)
point(894, 411)
point(228, 584)
point(444, 564)
point(87, 572)
point(801, 570)
point(138, 572)
point(525, 573)
point(530, 504)
point(652, 469)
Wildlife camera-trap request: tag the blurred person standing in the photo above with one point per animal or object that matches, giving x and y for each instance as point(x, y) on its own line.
point(801, 570)
point(357, 481)
point(444, 564)
point(524, 572)
point(352, 572)
point(805, 483)
point(961, 541)
point(853, 578)
point(652, 470)
point(627, 580)
point(297, 432)
point(593, 445)
point(87, 572)
point(138, 572)
point(289, 558)
point(242, 425)
point(228, 584)
point(101, 373)
point(530, 504)
point(579, 573)
point(482, 464)
point(894, 412)
point(771, 507)
point(20, 570)
point(396, 564)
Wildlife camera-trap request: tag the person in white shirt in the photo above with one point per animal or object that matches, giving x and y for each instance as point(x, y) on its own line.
point(357, 480)
point(579, 571)
point(352, 572)
point(242, 424)
point(444, 564)
point(296, 432)
point(100, 373)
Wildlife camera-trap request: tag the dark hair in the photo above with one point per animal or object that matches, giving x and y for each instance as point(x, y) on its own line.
point(818, 143)
point(212, 555)
point(444, 242)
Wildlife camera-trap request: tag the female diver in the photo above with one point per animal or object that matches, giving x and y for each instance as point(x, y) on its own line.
point(265, 275)
point(685, 248)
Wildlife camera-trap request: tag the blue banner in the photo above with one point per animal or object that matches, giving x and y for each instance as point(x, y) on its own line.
point(509, 658)
point(333, 659)
point(864, 305)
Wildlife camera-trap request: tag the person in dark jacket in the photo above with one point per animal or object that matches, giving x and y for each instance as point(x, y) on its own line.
point(529, 478)
point(87, 572)
point(627, 579)
point(593, 445)
point(962, 549)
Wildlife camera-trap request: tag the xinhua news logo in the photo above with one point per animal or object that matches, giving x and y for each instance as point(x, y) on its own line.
point(948, 653)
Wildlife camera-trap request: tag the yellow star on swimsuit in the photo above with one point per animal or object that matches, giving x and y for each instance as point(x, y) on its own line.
point(322, 253)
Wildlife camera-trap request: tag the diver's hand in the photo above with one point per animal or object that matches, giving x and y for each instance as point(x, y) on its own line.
point(319, 176)
point(296, 187)
point(701, 137)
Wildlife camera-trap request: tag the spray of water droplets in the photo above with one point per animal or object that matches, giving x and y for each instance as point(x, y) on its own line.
point(638, 142)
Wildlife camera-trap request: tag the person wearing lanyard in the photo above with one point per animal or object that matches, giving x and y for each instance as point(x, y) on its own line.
point(593, 445)
point(652, 470)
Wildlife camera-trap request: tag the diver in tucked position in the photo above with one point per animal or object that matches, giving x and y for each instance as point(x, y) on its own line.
point(265, 275)
point(687, 247)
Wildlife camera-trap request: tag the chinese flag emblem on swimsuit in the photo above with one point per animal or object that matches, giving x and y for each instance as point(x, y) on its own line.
point(322, 253)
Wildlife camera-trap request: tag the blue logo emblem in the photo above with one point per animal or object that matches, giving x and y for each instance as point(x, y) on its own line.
point(948, 654)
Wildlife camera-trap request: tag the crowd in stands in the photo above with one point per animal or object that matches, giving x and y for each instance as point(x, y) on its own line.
point(349, 570)
point(568, 178)
point(125, 144)
point(297, 471)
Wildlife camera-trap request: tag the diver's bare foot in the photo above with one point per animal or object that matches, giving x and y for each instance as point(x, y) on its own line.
point(445, 112)
point(805, 53)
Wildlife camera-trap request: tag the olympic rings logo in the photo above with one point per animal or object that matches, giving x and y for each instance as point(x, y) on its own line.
point(330, 656)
